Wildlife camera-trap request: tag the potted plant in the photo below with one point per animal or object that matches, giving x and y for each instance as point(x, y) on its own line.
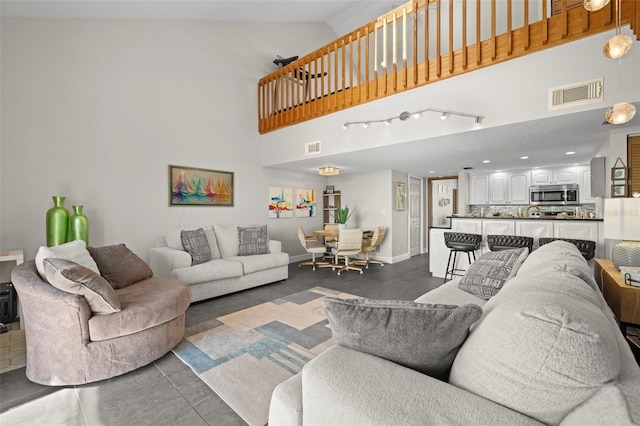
point(342, 215)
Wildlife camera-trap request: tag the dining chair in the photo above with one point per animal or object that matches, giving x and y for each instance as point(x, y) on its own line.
point(369, 245)
point(313, 248)
point(331, 243)
point(349, 244)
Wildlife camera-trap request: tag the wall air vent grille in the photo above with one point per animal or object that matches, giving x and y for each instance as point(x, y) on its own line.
point(312, 148)
point(586, 92)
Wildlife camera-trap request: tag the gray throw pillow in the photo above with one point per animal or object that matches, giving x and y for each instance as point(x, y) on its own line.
point(253, 240)
point(196, 244)
point(419, 336)
point(486, 276)
point(76, 279)
point(119, 265)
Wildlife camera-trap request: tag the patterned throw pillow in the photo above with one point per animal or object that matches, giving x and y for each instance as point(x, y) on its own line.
point(486, 276)
point(253, 240)
point(419, 336)
point(197, 245)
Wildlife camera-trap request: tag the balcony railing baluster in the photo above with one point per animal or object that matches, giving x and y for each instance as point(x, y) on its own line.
point(317, 84)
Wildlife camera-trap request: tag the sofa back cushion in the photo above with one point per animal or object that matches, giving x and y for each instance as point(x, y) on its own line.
point(227, 237)
point(544, 344)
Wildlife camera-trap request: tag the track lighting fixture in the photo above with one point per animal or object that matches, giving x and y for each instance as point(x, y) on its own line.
point(404, 115)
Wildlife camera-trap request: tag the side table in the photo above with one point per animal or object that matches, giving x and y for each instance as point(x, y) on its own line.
point(18, 257)
point(623, 299)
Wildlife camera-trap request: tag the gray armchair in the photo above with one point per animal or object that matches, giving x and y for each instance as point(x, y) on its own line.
point(68, 345)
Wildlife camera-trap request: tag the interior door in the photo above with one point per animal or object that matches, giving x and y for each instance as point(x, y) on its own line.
point(415, 223)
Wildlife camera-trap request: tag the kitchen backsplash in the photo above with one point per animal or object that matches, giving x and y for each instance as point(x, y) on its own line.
point(583, 210)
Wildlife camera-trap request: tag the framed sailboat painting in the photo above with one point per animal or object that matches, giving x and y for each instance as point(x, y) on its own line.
point(190, 186)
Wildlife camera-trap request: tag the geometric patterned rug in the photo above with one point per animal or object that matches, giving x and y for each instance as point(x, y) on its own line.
point(243, 356)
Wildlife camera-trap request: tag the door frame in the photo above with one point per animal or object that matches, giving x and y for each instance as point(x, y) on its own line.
point(421, 227)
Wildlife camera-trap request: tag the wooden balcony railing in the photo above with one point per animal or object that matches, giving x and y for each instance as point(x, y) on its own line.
point(422, 42)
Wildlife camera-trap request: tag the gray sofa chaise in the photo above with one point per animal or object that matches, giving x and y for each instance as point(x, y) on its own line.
point(546, 350)
point(229, 268)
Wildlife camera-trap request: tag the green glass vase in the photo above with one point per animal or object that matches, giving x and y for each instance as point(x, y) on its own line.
point(57, 222)
point(78, 225)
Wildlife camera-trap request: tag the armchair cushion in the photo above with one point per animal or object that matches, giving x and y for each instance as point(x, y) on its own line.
point(76, 279)
point(197, 245)
point(119, 265)
point(419, 336)
point(76, 251)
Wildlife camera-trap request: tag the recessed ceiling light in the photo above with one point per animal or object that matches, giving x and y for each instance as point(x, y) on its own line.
point(432, 171)
point(486, 161)
point(524, 157)
point(498, 170)
point(570, 152)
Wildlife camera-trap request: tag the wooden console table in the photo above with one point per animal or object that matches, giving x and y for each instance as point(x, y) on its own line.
point(623, 299)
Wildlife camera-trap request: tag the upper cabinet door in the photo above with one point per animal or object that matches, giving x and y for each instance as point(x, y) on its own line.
point(499, 188)
point(565, 175)
point(541, 177)
point(519, 188)
point(584, 182)
point(479, 189)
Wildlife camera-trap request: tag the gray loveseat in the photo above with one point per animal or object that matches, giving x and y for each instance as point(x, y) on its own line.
point(227, 271)
point(546, 350)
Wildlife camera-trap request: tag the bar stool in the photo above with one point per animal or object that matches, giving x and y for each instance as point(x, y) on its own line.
point(586, 247)
point(459, 242)
point(506, 242)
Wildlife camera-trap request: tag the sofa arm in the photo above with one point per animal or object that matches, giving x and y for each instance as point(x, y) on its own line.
point(345, 386)
point(163, 260)
point(275, 246)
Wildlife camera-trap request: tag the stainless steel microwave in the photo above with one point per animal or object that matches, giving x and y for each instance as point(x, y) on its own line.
point(554, 194)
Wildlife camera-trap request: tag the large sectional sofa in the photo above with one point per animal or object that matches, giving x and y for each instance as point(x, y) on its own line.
point(229, 268)
point(546, 349)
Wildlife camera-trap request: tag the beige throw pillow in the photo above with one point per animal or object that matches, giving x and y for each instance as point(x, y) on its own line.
point(76, 251)
point(119, 265)
point(76, 279)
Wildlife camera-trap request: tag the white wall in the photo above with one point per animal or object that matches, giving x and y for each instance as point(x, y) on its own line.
point(96, 110)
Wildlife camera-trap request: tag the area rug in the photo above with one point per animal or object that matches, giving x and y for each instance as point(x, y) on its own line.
point(243, 356)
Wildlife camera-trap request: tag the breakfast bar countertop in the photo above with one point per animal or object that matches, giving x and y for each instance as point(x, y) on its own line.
point(528, 218)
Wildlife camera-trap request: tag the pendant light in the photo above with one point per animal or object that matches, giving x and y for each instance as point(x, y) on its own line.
point(619, 44)
point(620, 113)
point(593, 5)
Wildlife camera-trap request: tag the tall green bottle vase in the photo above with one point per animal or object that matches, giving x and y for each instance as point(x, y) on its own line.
point(78, 225)
point(57, 222)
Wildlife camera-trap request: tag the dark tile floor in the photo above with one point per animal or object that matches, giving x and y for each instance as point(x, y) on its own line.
point(167, 391)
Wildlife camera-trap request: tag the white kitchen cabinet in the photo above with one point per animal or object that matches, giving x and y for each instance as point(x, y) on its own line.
point(498, 188)
point(496, 227)
point(519, 188)
point(467, 226)
point(534, 228)
point(556, 176)
point(576, 229)
point(479, 189)
point(584, 183)
point(502, 188)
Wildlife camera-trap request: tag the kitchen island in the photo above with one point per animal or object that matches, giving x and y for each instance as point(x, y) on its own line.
point(536, 227)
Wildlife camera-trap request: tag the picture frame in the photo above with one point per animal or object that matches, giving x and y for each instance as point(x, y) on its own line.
point(618, 190)
point(619, 173)
point(330, 189)
point(401, 196)
point(192, 186)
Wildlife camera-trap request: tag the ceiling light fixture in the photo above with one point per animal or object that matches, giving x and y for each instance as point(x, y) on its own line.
point(619, 44)
point(570, 152)
point(329, 171)
point(486, 161)
point(405, 115)
point(593, 5)
point(524, 157)
point(620, 113)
